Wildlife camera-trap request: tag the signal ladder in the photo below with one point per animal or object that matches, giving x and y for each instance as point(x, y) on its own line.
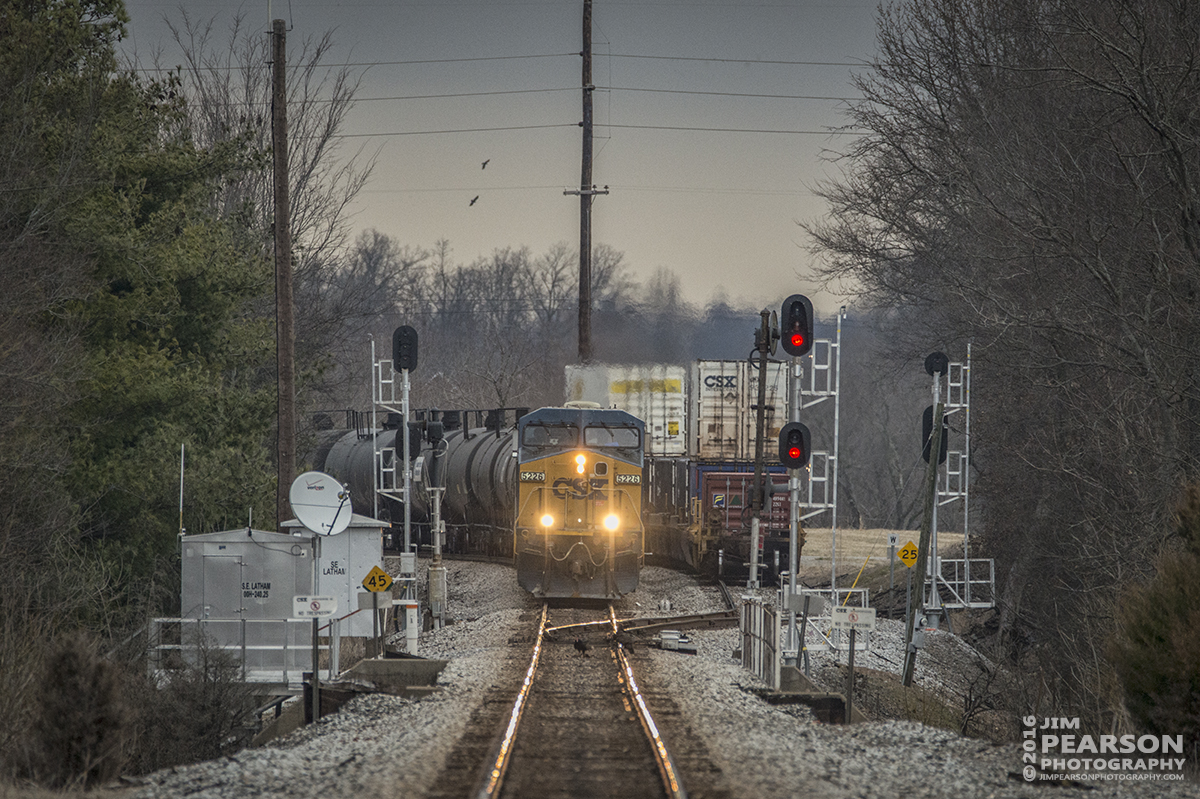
point(961, 583)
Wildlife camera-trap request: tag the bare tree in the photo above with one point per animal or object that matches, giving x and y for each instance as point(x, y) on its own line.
point(226, 79)
point(1027, 183)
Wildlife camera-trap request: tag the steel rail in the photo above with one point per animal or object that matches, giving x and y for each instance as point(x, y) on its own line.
point(645, 624)
point(501, 754)
point(666, 766)
point(726, 596)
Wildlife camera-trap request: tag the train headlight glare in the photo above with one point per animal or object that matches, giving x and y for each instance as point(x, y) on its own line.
point(612, 521)
point(547, 520)
point(580, 463)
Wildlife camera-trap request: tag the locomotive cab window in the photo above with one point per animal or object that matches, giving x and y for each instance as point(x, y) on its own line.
point(624, 437)
point(550, 436)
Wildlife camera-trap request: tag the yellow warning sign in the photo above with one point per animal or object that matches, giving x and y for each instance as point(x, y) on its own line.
point(377, 580)
point(908, 554)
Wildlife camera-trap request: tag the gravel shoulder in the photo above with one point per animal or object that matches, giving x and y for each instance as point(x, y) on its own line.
point(382, 745)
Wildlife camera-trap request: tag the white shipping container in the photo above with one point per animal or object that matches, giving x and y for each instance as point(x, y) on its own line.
point(724, 394)
point(655, 393)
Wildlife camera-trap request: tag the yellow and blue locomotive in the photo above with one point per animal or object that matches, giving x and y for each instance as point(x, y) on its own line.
point(561, 491)
point(578, 522)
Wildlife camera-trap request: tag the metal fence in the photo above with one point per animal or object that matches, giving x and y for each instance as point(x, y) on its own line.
point(274, 651)
point(759, 625)
point(819, 635)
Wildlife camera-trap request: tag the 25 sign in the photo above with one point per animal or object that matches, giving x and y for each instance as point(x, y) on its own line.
point(908, 554)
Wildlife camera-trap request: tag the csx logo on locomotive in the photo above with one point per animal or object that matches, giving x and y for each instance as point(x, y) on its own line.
point(720, 381)
point(579, 488)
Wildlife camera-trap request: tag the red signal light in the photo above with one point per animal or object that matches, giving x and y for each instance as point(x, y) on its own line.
point(796, 325)
point(794, 445)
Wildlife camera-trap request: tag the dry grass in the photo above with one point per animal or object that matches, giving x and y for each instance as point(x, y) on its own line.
point(858, 547)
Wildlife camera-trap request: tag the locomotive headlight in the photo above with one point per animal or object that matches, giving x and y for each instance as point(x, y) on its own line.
point(581, 464)
point(547, 520)
point(612, 521)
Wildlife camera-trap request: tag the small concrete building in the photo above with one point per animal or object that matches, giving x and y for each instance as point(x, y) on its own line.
point(238, 588)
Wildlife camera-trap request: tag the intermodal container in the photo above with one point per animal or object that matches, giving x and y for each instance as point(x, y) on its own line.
point(725, 502)
point(655, 393)
point(723, 404)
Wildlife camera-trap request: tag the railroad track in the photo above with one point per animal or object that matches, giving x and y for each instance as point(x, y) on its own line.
point(585, 758)
point(580, 726)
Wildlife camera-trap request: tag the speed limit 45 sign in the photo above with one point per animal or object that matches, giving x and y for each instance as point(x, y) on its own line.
point(377, 580)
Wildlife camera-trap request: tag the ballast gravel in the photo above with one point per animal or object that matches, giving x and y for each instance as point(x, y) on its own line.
point(379, 745)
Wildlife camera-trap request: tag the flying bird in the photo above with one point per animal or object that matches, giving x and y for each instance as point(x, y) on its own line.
point(485, 163)
point(473, 199)
point(582, 646)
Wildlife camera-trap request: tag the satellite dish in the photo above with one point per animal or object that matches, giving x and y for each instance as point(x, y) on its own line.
point(321, 503)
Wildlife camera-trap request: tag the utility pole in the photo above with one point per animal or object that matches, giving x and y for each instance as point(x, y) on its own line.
point(285, 334)
point(585, 197)
point(586, 191)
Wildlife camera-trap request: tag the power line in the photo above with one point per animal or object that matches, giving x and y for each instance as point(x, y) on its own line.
point(742, 60)
point(616, 187)
point(463, 94)
point(608, 125)
point(728, 94)
point(743, 130)
point(462, 189)
point(455, 130)
point(263, 103)
point(543, 55)
point(711, 190)
point(379, 63)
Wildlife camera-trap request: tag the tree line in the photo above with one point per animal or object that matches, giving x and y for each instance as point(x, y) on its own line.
point(1026, 180)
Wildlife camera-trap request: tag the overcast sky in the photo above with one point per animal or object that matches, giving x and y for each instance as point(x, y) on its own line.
point(718, 208)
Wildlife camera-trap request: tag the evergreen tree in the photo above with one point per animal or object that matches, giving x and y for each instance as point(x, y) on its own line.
point(1156, 650)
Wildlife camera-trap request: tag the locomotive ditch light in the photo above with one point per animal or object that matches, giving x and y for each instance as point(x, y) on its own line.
point(547, 520)
point(612, 521)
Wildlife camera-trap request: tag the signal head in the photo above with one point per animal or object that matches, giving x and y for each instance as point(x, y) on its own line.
point(794, 445)
point(404, 348)
point(796, 325)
